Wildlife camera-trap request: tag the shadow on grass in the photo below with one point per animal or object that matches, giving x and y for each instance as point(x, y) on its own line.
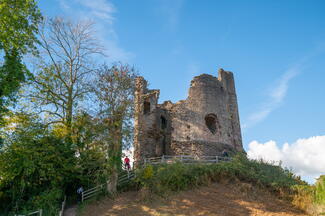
point(216, 199)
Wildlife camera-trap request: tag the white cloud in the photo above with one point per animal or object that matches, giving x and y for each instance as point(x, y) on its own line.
point(275, 97)
point(267, 151)
point(306, 157)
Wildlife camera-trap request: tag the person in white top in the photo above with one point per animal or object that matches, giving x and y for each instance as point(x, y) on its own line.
point(79, 192)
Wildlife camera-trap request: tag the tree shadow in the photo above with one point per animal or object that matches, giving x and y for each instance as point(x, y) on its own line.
point(214, 200)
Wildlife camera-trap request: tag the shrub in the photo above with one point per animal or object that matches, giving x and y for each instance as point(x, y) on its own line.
point(178, 176)
point(311, 198)
point(48, 201)
point(320, 190)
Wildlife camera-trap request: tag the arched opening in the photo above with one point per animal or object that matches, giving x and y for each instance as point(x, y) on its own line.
point(163, 122)
point(211, 122)
point(146, 107)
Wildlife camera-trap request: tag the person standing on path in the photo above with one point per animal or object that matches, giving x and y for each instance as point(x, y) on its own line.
point(225, 153)
point(127, 163)
point(79, 193)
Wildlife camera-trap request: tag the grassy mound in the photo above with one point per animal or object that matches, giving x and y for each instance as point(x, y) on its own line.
point(179, 176)
point(165, 178)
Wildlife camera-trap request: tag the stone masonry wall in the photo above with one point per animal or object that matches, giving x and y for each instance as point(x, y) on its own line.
point(203, 124)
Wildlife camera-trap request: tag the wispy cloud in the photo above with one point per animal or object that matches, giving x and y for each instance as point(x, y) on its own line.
point(277, 94)
point(102, 12)
point(280, 91)
point(171, 13)
point(100, 8)
point(64, 5)
point(275, 97)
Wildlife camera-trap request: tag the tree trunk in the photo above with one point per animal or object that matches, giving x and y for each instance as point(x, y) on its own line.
point(115, 154)
point(69, 114)
point(112, 183)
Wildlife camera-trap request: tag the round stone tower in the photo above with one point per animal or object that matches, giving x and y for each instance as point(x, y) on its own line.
point(204, 124)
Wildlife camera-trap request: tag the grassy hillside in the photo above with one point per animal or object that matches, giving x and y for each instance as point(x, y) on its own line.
point(165, 178)
point(216, 199)
point(251, 186)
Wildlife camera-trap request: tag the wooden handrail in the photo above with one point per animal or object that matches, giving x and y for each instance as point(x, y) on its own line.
point(186, 159)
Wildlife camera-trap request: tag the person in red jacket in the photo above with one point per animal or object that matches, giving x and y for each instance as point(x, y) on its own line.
point(127, 163)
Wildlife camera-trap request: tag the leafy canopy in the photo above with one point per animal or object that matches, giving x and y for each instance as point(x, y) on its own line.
point(32, 161)
point(19, 21)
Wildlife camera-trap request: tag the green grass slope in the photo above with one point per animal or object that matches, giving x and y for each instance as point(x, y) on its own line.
point(165, 178)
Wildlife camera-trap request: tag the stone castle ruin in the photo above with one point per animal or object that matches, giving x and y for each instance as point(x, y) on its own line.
point(204, 124)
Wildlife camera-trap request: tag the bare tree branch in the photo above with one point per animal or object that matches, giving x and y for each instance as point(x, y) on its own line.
point(61, 80)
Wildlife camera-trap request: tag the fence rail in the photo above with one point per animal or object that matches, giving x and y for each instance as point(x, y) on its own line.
point(92, 192)
point(39, 212)
point(126, 177)
point(185, 159)
point(122, 179)
point(63, 206)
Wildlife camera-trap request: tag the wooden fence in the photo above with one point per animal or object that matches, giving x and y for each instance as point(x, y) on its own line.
point(39, 213)
point(122, 179)
point(93, 191)
point(125, 178)
point(185, 159)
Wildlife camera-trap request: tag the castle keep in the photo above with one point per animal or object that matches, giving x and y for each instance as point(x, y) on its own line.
point(203, 124)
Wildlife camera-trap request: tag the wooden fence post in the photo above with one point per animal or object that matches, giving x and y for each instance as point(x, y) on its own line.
point(40, 212)
point(163, 159)
point(217, 159)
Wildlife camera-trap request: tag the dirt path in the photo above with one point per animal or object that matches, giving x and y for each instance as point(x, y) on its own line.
point(215, 200)
point(70, 211)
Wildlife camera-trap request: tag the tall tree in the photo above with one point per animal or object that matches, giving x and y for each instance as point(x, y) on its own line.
point(64, 71)
point(34, 164)
point(114, 88)
point(19, 21)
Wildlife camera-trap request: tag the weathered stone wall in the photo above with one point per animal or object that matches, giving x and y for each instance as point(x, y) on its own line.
point(203, 124)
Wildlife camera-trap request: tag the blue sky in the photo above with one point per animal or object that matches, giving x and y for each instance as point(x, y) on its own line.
point(276, 50)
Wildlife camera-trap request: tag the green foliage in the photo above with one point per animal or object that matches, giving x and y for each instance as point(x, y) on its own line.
point(303, 196)
point(92, 162)
point(311, 198)
point(164, 178)
point(19, 21)
point(179, 176)
point(114, 88)
point(48, 200)
point(12, 73)
point(35, 166)
point(320, 190)
point(38, 166)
